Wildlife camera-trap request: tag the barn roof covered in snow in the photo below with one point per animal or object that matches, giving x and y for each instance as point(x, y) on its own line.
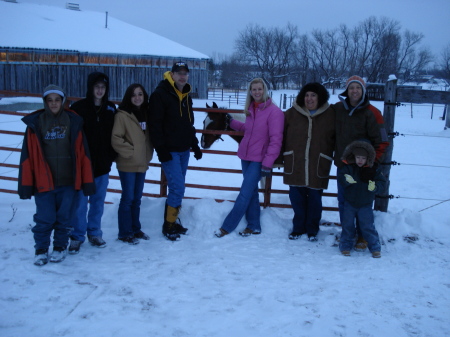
point(25, 25)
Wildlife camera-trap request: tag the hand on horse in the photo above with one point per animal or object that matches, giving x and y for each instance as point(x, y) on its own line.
point(197, 152)
point(163, 154)
point(228, 119)
point(265, 172)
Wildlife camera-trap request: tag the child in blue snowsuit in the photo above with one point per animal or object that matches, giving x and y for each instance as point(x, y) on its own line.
point(361, 182)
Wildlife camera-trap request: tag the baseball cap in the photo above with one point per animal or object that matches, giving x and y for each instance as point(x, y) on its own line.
point(177, 66)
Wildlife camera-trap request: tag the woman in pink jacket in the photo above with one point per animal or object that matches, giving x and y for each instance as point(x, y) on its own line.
point(263, 135)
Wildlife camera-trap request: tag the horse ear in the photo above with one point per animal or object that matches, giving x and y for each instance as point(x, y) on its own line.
point(208, 106)
point(215, 105)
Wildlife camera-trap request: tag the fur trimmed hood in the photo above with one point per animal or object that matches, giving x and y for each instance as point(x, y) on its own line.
point(348, 156)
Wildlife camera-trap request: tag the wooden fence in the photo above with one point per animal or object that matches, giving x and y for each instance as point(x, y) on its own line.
point(267, 192)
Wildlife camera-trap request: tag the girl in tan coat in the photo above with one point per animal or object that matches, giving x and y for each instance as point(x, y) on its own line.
point(130, 139)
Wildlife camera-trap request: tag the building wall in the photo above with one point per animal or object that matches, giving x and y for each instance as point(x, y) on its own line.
point(32, 70)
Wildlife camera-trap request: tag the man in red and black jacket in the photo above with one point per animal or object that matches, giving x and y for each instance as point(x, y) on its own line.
point(54, 164)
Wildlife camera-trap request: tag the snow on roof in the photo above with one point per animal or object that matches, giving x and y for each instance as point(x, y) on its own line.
point(25, 25)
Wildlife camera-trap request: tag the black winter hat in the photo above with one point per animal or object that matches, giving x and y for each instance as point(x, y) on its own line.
point(317, 88)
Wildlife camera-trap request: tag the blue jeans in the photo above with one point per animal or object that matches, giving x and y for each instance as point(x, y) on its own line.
point(130, 203)
point(92, 223)
point(366, 223)
point(54, 211)
point(175, 171)
point(307, 205)
point(247, 202)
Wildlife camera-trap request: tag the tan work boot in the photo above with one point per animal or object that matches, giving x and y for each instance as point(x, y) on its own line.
point(361, 244)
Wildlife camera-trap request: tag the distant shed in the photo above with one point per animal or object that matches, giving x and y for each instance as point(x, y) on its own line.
point(29, 59)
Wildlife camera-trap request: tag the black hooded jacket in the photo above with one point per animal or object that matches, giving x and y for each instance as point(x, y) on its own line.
point(98, 125)
point(171, 118)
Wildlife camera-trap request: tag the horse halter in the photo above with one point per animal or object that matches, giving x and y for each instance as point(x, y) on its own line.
point(206, 124)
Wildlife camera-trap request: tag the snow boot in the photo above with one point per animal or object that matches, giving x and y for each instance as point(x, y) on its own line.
point(96, 241)
point(221, 233)
point(74, 247)
point(295, 235)
point(141, 235)
point(58, 254)
point(361, 244)
point(169, 228)
point(131, 240)
point(178, 227)
point(41, 257)
point(248, 232)
point(376, 255)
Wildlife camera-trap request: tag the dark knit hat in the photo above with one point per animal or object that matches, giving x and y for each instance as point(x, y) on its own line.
point(317, 88)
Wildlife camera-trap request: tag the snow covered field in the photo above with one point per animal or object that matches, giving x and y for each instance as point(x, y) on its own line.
point(235, 286)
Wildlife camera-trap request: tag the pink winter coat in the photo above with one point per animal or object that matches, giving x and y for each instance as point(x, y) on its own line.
point(263, 133)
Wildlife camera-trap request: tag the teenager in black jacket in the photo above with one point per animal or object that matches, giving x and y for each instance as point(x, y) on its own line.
point(98, 116)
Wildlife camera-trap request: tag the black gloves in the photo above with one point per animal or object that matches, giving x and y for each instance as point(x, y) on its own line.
point(197, 152)
point(163, 154)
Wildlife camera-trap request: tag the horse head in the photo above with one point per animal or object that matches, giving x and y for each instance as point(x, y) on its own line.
point(213, 121)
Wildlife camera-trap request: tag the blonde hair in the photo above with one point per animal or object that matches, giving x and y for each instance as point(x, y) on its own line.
point(249, 99)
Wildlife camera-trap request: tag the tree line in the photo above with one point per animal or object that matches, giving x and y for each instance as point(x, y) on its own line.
point(284, 58)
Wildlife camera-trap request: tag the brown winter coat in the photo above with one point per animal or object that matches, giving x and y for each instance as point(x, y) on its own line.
point(131, 143)
point(308, 146)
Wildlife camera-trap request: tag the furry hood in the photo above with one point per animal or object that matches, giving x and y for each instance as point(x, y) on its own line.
point(349, 158)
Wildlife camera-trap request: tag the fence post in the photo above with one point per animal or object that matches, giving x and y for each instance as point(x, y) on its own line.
point(447, 118)
point(267, 191)
point(390, 103)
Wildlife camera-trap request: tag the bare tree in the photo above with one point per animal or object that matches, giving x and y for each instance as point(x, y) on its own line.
point(412, 61)
point(376, 47)
point(445, 62)
point(235, 73)
point(270, 50)
point(301, 73)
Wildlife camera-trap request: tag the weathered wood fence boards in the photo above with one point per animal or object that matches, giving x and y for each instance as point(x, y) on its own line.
point(30, 70)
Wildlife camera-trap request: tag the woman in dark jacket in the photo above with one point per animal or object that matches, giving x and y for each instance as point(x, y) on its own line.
point(308, 145)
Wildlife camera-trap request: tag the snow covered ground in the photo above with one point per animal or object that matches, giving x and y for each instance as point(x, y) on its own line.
point(235, 286)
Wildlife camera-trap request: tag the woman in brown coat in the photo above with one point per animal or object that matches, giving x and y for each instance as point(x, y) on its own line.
point(308, 143)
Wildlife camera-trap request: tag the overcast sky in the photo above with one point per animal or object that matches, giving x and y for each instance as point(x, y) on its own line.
point(211, 27)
